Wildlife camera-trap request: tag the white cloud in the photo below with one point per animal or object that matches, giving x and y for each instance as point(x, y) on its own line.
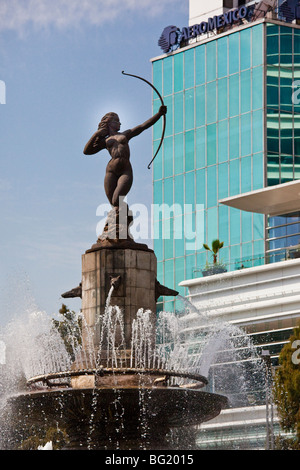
point(17, 14)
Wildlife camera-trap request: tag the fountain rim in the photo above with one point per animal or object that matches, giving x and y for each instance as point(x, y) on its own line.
point(101, 371)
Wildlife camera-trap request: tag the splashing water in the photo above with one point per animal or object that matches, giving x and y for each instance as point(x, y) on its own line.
point(216, 350)
point(112, 338)
point(142, 347)
point(34, 346)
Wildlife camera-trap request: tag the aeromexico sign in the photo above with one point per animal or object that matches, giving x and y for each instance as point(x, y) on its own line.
point(172, 37)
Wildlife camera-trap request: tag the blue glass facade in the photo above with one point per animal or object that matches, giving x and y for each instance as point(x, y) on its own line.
point(283, 129)
point(283, 118)
point(216, 145)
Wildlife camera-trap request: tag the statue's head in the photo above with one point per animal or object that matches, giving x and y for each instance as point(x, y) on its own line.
point(110, 119)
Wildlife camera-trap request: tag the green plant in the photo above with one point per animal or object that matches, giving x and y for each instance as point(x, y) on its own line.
point(287, 389)
point(215, 248)
point(70, 329)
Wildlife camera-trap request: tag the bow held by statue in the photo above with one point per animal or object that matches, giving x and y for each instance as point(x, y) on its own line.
point(163, 113)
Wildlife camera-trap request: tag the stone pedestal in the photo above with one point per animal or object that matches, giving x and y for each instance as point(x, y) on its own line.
point(136, 273)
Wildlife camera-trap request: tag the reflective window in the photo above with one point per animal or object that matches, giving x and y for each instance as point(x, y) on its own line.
point(222, 57)
point(246, 135)
point(168, 157)
point(178, 72)
point(212, 224)
point(235, 224)
point(179, 190)
point(245, 48)
point(189, 151)
point(234, 53)
point(157, 192)
point(211, 95)
point(234, 95)
point(157, 74)
point(212, 186)
point(283, 236)
point(235, 254)
point(178, 237)
point(258, 131)
point(246, 226)
point(168, 238)
point(168, 191)
point(190, 266)
point(200, 147)
point(234, 137)
point(178, 154)
point(224, 224)
point(223, 181)
point(169, 273)
point(258, 228)
point(189, 109)
point(258, 171)
point(201, 186)
point(246, 171)
point(200, 106)
point(179, 274)
point(223, 141)
point(247, 254)
point(222, 99)
point(190, 189)
point(200, 65)
point(296, 138)
point(167, 76)
point(189, 65)
point(296, 47)
point(211, 138)
point(246, 91)
point(211, 61)
point(178, 113)
point(257, 45)
point(234, 177)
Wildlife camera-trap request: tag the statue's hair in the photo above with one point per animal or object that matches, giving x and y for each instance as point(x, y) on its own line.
point(103, 125)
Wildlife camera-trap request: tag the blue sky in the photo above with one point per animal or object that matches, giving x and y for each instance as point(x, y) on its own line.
point(61, 62)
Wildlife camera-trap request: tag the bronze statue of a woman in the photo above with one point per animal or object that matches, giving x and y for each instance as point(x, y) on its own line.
point(119, 177)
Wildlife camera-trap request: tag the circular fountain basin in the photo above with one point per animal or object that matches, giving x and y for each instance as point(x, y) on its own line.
point(116, 418)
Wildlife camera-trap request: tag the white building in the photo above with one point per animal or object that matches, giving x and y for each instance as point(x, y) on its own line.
point(200, 11)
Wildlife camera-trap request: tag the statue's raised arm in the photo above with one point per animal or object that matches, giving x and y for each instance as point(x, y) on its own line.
point(149, 123)
point(97, 142)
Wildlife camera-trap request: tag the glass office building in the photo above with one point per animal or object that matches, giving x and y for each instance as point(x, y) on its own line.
point(232, 127)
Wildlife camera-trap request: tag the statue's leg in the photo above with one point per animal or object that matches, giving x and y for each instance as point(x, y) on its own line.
point(110, 184)
point(123, 187)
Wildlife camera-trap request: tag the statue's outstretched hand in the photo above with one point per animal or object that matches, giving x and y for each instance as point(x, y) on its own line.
point(163, 110)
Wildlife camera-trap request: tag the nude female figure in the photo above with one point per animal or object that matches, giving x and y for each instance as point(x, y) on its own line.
point(119, 177)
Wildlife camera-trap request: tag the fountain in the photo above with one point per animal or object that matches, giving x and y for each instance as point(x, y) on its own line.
point(132, 380)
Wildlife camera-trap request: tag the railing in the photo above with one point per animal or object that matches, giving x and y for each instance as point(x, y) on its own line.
point(274, 256)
